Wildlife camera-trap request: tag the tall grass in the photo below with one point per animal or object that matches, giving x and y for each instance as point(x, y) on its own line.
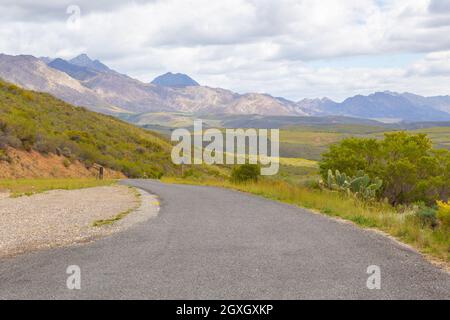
point(401, 224)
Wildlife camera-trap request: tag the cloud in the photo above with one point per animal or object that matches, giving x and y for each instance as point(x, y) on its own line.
point(439, 6)
point(247, 45)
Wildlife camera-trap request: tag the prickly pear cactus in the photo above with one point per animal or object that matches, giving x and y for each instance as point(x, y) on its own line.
point(361, 186)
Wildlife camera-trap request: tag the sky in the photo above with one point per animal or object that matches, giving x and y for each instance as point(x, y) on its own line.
point(289, 48)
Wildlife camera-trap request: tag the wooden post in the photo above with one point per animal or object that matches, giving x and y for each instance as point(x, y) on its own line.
point(100, 173)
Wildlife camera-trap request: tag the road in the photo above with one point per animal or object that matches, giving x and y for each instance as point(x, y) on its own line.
point(212, 243)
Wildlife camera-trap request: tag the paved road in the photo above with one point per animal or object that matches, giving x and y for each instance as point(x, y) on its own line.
point(210, 243)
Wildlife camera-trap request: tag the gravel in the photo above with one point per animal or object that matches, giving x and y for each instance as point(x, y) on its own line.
point(61, 217)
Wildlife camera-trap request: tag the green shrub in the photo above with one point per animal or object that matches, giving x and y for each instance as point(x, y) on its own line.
point(245, 172)
point(66, 162)
point(427, 216)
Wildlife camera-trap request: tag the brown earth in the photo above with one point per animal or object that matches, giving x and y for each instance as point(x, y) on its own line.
point(24, 164)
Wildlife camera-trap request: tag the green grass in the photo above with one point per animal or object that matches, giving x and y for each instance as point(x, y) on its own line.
point(21, 187)
point(402, 225)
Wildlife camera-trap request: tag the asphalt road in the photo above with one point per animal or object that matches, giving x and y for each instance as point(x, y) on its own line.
point(211, 243)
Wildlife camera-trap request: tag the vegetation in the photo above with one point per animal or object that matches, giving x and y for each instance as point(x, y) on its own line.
point(21, 187)
point(310, 142)
point(360, 170)
point(410, 169)
point(31, 120)
point(245, 173)
point(443, 214)
point(361, 186)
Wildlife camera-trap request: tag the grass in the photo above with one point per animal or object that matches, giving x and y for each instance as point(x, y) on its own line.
point(298, 162)
point(21, 187)
point(120, 216)
point(403, 225)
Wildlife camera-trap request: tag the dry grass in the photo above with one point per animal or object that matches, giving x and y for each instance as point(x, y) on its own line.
point(21, 187)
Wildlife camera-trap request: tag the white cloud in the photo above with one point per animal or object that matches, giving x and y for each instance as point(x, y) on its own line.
point(247, 45)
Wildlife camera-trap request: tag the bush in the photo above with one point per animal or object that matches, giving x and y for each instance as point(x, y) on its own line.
point(4, 156)
point(443, 213)
point(66, 163)
point(244, 173)
point(427, 216)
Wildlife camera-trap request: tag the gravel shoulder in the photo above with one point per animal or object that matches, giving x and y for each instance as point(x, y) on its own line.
point(59, 217)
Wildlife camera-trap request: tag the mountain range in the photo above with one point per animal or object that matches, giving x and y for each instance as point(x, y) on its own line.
point(90, 83)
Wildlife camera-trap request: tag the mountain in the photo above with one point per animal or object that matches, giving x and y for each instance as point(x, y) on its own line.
point(177, 80)
point(387, 106)
point(440, 102)
point(110, 92)
point(86, 82)
point(84, 61)
point(317, 106)
point(75, 71)
point(390, 105)
point(32, 73)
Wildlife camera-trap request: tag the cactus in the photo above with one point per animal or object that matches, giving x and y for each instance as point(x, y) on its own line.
point(330, 179)
point(361, 186)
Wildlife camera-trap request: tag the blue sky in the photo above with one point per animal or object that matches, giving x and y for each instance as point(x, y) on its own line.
point(291, 48)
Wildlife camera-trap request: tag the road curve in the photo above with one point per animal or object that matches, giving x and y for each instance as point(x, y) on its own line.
point(212, 243)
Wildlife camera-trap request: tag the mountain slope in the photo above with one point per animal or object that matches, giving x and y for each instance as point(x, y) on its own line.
point(33, 74)
point(37, 121)
point(75, 71)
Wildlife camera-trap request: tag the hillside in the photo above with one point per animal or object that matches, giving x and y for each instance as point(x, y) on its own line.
point(38, 122)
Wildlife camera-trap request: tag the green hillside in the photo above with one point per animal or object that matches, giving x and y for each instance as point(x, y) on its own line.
point(38, 121)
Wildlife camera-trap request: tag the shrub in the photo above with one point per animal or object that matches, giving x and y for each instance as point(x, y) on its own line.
point(443, 213)
point(4, 156)
point(66, 163)
point(427, 216)
point(244, 173)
